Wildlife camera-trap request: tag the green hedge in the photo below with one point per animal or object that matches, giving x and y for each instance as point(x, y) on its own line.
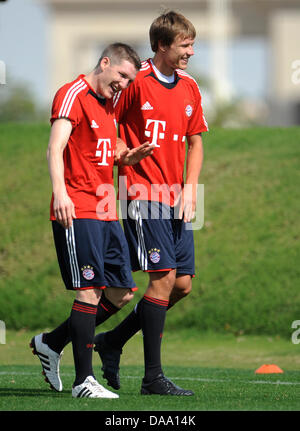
point(247, 253)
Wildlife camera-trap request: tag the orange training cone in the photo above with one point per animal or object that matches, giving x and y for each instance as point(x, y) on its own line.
point(268, 368)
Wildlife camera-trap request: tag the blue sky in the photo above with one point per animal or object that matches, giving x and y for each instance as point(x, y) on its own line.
point(23, 44)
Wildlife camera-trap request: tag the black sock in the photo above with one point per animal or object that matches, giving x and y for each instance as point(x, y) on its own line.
point(105, 309)
point(82, 331)
point(60, 336)
point(119, 336)
point(152, 313)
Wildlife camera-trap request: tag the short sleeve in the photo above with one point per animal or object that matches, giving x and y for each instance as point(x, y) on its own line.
point(197, 123)
point(65, 105)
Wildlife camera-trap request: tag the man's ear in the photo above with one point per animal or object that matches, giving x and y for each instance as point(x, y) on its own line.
point(161, 47)
point(104, 63)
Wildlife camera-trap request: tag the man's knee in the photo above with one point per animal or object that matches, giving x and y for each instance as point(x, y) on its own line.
point(119, 297)
point(163, 278)
point(186, 289)
point(161, 284)
point(185, 292)
point(182, 287)
point(90, 296)
point(126, 298)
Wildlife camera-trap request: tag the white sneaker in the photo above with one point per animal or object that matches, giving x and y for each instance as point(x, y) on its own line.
point(49, 361)
point(90, 388)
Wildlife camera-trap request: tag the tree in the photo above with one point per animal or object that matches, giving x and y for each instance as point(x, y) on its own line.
point(16, 104)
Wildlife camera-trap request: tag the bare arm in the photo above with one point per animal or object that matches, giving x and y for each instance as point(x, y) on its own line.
point(193, 169)
point(64, 209)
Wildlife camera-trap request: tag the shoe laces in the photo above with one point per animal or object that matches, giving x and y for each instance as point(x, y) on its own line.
point(168, 382)
point(95, 386)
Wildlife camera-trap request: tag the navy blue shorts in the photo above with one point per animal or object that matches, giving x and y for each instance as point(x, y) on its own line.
point(157, 239)
point(93, 254)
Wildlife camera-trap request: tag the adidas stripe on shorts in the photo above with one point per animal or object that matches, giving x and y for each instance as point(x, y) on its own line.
point(158, 240)
point(93, 253)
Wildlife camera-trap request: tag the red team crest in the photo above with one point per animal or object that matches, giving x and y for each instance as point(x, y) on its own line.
point(87, 272)
point(154, 255)
point(188, 110)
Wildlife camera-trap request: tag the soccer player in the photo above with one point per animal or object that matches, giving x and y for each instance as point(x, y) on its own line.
point(91, 247)
point(164, 105)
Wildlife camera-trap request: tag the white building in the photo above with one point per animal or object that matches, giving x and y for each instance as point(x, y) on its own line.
point(80, 29)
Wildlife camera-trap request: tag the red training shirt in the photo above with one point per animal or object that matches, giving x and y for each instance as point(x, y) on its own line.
point(165, 114)
point(89, 154)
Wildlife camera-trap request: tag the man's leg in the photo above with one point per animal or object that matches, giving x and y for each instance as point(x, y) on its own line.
point(152, 312)
point(119, 336)
point(81, 323)
point(109, 356)
point(111, 301)
point(150, 318)
point(182, 288)
point(112, 342)
point(82, 330)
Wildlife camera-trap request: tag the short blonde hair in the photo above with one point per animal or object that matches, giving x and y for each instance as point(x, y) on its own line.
point(167, 27)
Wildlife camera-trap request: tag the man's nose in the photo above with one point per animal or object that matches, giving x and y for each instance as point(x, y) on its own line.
point(124, 83)
point(191, 50)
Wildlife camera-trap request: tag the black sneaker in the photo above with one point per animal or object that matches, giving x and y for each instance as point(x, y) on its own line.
point(163, 386)
point(110, 358)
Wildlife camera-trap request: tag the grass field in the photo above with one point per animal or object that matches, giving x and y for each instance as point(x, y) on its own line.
point(220, 369)
point(247, 253)
point(246, 291)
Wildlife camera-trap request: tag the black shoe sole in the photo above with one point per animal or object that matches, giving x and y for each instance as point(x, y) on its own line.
point(111, 381)
point(146, 392)
point(164, 386)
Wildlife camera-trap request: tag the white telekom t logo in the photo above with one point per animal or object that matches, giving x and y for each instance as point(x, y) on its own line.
point(105, 144)
point(156, 133)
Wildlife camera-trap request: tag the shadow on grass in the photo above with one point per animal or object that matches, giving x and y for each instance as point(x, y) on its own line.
point(22, 392)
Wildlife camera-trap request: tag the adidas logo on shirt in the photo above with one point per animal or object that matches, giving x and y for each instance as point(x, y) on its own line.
point(146, 107)
point(94, 125)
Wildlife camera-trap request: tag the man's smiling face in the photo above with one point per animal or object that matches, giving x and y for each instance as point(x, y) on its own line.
point(115, 76)
point(176, 56)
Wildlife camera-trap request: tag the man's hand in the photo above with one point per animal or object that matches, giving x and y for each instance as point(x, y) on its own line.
point(121, 148)
point(64, 209)
point(188, 202)
point(193, 167)
point(135, 155)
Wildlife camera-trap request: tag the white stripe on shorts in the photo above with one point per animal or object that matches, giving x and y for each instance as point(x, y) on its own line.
point(142, 252)
point(70, 238)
